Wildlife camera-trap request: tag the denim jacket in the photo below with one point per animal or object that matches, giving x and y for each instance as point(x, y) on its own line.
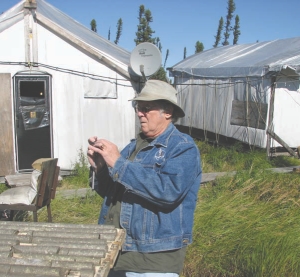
point(161, 187)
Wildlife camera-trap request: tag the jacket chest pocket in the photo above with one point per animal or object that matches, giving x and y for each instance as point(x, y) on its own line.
point(153, 159)
point(159, 159)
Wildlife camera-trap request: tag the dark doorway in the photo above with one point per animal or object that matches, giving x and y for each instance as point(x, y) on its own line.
point(32, 119)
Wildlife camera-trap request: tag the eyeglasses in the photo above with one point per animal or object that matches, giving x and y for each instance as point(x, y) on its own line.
point(143, 109)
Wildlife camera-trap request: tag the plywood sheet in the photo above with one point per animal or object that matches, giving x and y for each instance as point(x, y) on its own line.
point(6, 126)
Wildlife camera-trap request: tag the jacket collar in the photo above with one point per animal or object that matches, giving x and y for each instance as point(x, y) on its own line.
point(163, 138)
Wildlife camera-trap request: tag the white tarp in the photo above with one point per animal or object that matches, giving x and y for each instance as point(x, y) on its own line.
point(253, 59)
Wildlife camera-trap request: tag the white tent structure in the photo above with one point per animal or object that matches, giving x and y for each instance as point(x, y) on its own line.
point(60, 84)
point(247, 92)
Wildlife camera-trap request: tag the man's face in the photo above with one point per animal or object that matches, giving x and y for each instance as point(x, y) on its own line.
point(152, 119)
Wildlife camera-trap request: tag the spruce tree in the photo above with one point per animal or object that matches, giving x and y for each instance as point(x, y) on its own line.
point(94, 25)
point(166, 58)
point(236, 30)
point(199, 47)
point(219, 31)
point(144, 32)
point(160, 75)
point(158, 43)
point(119, 30)
point(228, 28)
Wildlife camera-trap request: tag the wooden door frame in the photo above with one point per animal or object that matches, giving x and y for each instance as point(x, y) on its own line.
point(7, 165)
point(27, 75)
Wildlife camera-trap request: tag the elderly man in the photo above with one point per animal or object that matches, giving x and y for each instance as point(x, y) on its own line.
point(150, 188)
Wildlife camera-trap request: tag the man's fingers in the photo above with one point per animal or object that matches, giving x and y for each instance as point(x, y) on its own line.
point(92, 140)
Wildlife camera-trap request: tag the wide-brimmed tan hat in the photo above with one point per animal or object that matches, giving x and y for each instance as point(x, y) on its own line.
point(159, 90)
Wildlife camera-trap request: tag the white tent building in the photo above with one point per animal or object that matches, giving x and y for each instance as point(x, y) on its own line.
point(60, 84)
point(247, 92)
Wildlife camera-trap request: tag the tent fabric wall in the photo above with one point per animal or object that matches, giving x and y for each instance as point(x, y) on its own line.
point(208, 106)
point(286, 117)
point(96, 79)
point(12, 45)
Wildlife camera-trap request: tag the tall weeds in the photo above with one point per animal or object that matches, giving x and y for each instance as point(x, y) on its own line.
point(247, 225)
point(79, 177)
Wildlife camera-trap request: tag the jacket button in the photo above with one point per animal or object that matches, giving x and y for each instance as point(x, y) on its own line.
point(116, 175)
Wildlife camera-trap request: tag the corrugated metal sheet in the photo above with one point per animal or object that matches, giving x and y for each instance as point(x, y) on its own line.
point(57, 249)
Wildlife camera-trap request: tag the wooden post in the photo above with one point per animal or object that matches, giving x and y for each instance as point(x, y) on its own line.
point(271, 113)
point(279, 140)
point(31, 4)
point(7, 164)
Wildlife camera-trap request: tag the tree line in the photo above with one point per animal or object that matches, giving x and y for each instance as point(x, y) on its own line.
point(145, 33)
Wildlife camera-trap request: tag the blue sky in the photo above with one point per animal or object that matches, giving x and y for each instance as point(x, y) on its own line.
point(181, 24)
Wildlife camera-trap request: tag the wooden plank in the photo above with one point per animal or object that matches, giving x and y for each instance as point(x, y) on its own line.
point(55, 182)
point(7, 164)
point(271, 115)
point(208, 177)
point(27, 38)
point(18, 180)
point(18, 207)
point(45, 182)
point(42, 188)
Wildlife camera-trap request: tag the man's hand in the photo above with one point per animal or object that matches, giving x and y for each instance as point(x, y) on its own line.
point(94, 158)
point(107, 151)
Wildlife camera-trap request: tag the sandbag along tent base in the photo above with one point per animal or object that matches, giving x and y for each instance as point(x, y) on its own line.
point(60, 84)
point(246, 92)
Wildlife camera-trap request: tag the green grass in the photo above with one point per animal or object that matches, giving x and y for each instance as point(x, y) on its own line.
point(3, 187)
point(238, 157)
point(247, 225)
point(79, 177)
point(77, 210)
